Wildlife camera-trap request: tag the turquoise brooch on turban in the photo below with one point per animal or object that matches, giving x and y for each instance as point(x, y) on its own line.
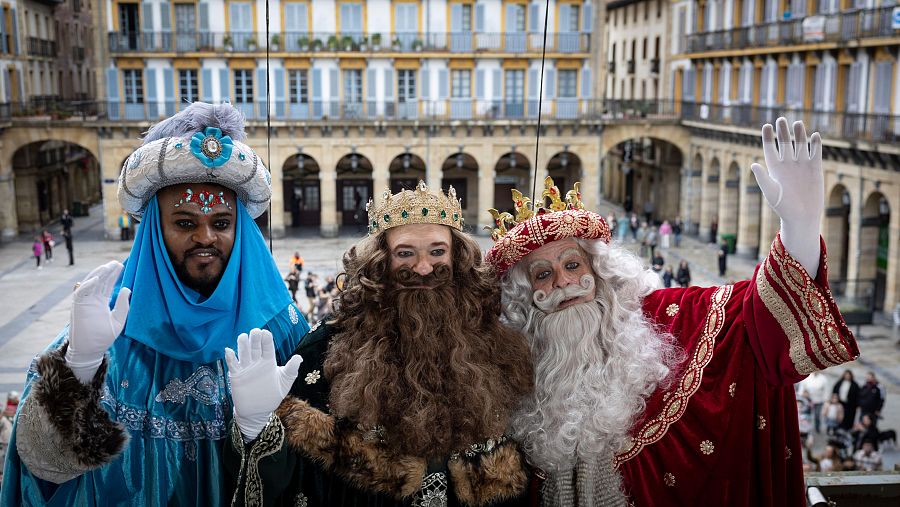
point(211, 147)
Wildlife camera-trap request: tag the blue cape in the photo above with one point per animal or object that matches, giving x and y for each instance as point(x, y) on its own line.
point(179, 322)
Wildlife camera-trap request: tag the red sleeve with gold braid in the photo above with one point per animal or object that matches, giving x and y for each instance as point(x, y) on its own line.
point(793, 323)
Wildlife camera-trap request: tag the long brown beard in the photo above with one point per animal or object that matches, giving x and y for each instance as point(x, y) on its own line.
point(433, 367)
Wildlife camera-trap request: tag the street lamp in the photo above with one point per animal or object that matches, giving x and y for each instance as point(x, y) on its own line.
point(564, 157)
point(301, 160)
point(512, 157)
point(406, 157)
point(459, 158)
point(354, 159)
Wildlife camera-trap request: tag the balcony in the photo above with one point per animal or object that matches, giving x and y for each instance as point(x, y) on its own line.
point(630, 66)
point(875, 128)
point(612, 67)
point(346, 42)
point(838, 27)
point(41, 47)
point(654, 66)
point(78, 54)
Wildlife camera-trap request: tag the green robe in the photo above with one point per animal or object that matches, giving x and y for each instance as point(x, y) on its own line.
point(306, 457)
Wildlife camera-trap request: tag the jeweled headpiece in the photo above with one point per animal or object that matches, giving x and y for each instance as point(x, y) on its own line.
point(200, 144)
point(557, 218)
point(419, 206)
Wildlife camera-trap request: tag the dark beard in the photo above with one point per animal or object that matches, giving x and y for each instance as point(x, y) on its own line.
point(429, 366)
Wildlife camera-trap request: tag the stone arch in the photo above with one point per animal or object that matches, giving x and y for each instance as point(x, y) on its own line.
point(50, 176)
point(709, 214)
point(646, 169)
point(512, 170)
point(565, 168)
point(461, 171)
point(874, 246)
point(301, 188)
point(614, 135)
point(406, 170)
point(836, 230)
point(729, 200)
point(354, 188)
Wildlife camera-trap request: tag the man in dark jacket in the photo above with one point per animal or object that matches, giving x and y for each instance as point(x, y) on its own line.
point(871, 397)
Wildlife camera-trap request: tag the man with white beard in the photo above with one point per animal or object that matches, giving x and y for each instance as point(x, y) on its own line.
point(649, 396)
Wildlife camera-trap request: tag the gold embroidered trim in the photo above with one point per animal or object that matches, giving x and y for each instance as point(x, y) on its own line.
point(267, 443)
point(673, 408)
point(760, 422)
point(732, 388)
point(816, 320)
point(707, 447)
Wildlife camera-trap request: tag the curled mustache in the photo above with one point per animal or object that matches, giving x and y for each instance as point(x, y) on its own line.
point(549, 302)
point(405, 277)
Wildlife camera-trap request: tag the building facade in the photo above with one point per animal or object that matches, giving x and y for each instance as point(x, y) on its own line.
point(636, 49)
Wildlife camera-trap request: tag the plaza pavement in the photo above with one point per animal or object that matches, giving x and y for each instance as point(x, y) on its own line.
point(34, 304)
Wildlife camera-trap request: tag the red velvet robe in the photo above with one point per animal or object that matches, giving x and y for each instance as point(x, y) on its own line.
point(725, 433)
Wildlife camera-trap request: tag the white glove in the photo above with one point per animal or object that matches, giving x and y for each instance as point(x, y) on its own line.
point(258, 384)
point(795, 188)
point(92, 326)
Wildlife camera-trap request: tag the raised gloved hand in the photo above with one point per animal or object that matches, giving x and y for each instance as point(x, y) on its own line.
point(795, 188)
point(258, 384)
point(93, 327)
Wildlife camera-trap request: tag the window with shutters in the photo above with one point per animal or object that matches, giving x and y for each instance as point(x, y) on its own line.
point(298, 86)
point(243, 86)
point(133, 81)
point(406, 85)
point(568, 83)
point(351, 20)
point(515, 85)
point(353, 86)
point(574, 18)
point(884, 77)
point(188, 85)
point(461, 83)
point(515, 22)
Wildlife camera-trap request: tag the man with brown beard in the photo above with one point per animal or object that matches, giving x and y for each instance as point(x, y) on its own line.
point(649, 396)
point(404, 394)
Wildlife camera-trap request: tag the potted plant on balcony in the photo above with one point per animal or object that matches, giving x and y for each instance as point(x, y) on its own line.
point(317, 45)
point(417, 45)
point(303, 43)
point(332, 43)
point(395, 44)
point(229, 43)
point(364, 43)
point(347, 43)
point(276, 42)
point(251, 43)
point(376, 42)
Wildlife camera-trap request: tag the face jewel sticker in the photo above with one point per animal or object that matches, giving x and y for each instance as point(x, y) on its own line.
point(205, 200)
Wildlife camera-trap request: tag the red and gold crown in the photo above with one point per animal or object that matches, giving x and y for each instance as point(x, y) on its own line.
point(517, 236)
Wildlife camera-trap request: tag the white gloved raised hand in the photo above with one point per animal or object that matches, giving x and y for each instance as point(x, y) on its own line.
point(795, 188)
point(258, 384)
point(93, 327)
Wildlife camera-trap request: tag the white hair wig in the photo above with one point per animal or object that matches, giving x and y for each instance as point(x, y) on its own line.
point(595, 363)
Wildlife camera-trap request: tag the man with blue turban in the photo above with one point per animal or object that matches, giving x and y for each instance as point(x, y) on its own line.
point(130, 404)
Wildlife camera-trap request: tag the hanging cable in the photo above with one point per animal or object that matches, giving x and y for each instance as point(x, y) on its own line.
point(268, 125)
point(537, 139)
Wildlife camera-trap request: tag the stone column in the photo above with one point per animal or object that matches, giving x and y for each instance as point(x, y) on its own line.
point(276, 215)
point(9, 221)
point(769, 224)
point(590, 176)
point(749, 215)
point(381, 175)
point(329, 223)
point(483, 153)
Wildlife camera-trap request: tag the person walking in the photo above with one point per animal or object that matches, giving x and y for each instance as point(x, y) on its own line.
point(665, 234)
point(683, 276)
point(833, 414)
point(848, 392)
point(652, 240)
point(66, 220)
point(667, 277)
point(623, 227)
point(47, 240)
point(723, 257)
point(293, 281)
point(871, 397)
point(124, 226)
point(817, 386)
point(37, 248)
point(310, 286)
point(67, 236)
point(297, 262)
point(677, 230)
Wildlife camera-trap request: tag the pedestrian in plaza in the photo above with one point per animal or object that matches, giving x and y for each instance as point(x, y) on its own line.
point(665, 234)
point(868, 459)
point(817, 386)
point(66, 220)
point(865, 429)
point(37, 249)
point(829, 460)
point(648, 210)
point(47, 240)
point(723, 257)
point(124, 226)
point(628, 205)
point(613, 222)
point(634, 226)
point(833, 414)
point(683, 276)
point(871, 397)
point(668, 276)
point(130, 404)
point(67, 236)
point(310, 286)
point(642, 239)
point(657, 263)
point(848, 392)
point(713, 231)
point(677, 230)
point(623, 227)
point(293, 282)
point(652, 240)
point(296, 262)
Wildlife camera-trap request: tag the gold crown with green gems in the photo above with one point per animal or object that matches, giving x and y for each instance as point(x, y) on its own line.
point(417, 206)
